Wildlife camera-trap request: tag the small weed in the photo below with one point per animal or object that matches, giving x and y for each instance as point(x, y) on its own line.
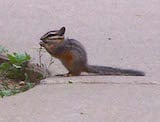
point(46, 66)
point(15, 67)
point(13, 88)
point(17, 74)
point(70, 82)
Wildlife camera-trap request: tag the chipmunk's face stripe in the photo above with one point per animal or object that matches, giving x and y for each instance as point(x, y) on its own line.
point(52, 35)
point(49, 34)
point(55, 37)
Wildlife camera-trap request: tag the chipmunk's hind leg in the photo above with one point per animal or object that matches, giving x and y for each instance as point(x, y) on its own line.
point(76, 69)
point(75, 73)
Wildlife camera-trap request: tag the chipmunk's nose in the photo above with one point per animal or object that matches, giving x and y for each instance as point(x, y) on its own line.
point(43, 39)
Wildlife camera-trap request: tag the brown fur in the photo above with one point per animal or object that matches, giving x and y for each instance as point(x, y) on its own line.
point(73, 56)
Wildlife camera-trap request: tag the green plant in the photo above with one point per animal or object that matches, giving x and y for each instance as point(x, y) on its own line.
point(15, 67)
point(9, 90)
point(17, 73)
point(40, 59)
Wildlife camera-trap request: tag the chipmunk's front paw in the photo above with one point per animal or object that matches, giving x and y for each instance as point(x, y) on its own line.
point(41, 44)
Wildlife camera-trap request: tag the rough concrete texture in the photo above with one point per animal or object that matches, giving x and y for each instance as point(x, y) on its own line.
point(83, 103)
point(114, 32)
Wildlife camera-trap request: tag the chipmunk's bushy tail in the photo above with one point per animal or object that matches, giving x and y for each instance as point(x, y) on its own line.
point(104, 70)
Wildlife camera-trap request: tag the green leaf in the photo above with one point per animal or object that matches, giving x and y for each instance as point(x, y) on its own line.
point(11, 58)
point(18, 59)
point(15, 68)
point(6, 93)
point(30, 85)
point(5, 66)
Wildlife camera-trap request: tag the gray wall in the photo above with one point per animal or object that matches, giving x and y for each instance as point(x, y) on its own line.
point(132, 25)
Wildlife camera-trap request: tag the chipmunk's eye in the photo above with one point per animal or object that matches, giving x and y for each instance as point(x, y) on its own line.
point(50, 35)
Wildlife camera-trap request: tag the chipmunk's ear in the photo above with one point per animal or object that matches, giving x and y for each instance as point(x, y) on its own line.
point(61, 31)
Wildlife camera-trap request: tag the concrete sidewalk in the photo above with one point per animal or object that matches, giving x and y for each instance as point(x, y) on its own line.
point(85, 101)
point(116, 33)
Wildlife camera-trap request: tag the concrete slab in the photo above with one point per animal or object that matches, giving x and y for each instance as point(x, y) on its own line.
point(103, 80)
point(83, 103)
point(115, 33)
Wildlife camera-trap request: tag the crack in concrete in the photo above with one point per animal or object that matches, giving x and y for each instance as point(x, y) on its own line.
point(108, 83)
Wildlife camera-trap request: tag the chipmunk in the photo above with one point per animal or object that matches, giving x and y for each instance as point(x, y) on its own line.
point(73, 56)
